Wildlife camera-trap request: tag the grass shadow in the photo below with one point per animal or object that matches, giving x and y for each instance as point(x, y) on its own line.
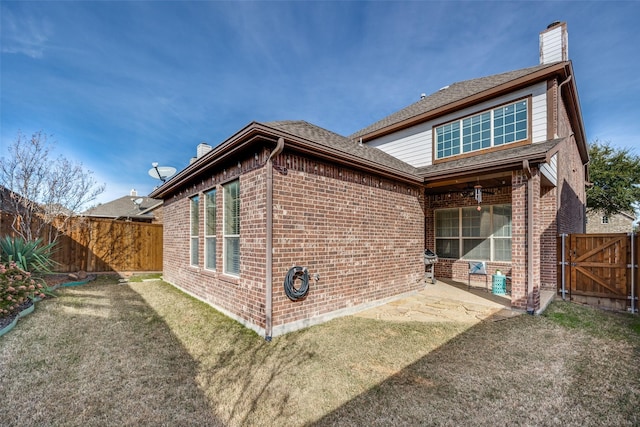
point(496, 374)
point(99, 355)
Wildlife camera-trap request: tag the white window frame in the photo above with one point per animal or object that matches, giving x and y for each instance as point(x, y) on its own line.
point(230, 232)
point(210, 240)
point(459, 125)
point(194, 231)
point(460, 238)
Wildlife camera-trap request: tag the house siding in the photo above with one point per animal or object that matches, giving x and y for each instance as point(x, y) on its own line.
point(547, 222)
point(571, 178)
point(415, 145)
point(618, 223)
point(363, 236)
point(241, 298)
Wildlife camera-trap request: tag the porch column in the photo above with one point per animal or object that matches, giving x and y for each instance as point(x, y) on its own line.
point(525, 253)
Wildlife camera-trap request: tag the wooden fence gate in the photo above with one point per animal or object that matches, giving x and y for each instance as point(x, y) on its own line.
point(600, 269)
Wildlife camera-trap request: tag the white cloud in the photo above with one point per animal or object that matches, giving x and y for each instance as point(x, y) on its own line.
point(24, 34)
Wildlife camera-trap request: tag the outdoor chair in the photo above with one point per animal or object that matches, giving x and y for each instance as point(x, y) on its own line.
point(478, 268)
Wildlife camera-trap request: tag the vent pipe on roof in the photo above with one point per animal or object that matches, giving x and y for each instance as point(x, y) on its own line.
point(423, 95)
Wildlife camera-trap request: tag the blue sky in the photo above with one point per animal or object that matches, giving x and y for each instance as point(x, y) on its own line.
point(123, 84)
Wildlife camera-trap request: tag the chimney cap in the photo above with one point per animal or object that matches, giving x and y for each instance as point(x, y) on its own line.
point(554, 24)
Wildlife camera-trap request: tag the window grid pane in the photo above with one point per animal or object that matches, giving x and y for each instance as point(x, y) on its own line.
point(195, 216)
point(210, 253)
point(502, 249)
point(476, 132)
point(232, 228)
point(448, 140)
point(510, 123)
point(194, 230)
point(447, 223)
point(210, 230)
point(479, 249)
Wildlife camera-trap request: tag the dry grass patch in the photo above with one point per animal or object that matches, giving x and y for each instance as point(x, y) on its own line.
point(146, 354)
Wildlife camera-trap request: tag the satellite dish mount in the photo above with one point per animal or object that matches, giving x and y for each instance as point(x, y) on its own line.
point(161, 172)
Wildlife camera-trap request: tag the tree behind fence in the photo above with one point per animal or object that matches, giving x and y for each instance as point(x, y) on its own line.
point(101, 245)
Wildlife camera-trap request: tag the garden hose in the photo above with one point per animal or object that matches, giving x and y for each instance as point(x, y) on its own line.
point(290, 289)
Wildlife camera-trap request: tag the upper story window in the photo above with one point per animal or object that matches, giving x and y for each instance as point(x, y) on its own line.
point(605, 219)
point(194, 229)
point(231, 228)
point(210, 239)
point(499, 126)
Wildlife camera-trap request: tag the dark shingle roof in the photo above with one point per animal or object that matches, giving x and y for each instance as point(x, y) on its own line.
point(454, 92)
point(332, 140)
point(124, 207)
point(490, 160)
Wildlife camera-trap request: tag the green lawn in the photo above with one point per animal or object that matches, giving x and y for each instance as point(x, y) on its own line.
point(144, 353)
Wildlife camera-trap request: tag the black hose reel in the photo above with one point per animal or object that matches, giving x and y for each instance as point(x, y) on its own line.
point(297, 273)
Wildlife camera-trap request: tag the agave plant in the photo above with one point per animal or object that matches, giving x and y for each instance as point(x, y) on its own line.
point(32, 256)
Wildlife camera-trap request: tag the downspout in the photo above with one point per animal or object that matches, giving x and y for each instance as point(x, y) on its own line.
point(530, 301)
point(268, 306)
point(567, 80)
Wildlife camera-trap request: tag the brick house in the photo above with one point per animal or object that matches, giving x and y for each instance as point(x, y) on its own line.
point(489, 169)
point(599, 222)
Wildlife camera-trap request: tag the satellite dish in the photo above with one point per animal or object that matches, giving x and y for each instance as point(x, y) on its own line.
point(138, 201)
point(161, 172)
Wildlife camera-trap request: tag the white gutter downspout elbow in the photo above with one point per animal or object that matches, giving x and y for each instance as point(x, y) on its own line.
point(268, 306)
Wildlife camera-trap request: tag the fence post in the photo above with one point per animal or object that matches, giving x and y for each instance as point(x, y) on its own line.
point(633, 272)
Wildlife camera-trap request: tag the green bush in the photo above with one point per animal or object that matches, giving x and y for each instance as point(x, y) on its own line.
point(16, 285)
point(30, 256)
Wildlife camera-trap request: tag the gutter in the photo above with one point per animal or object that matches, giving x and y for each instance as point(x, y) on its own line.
point(268, 306)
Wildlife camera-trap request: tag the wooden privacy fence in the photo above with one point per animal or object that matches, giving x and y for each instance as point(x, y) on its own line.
point(600, 269)
point(101, 245)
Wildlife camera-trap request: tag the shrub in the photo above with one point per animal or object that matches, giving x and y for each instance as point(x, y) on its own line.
point(30, 256)
point(16, 285)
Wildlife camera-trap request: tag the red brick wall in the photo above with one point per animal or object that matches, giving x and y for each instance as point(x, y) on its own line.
point(242, 298)
point(571, 181)
point(363, 235)
point(548, 242)
point(519, 240)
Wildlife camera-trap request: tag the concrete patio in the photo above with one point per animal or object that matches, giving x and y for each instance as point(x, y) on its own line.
point(449, 301)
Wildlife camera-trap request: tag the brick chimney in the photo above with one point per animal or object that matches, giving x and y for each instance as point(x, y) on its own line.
point(554, 43)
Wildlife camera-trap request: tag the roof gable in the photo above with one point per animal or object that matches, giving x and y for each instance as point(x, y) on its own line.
point(324, 137)
point(450, 95)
